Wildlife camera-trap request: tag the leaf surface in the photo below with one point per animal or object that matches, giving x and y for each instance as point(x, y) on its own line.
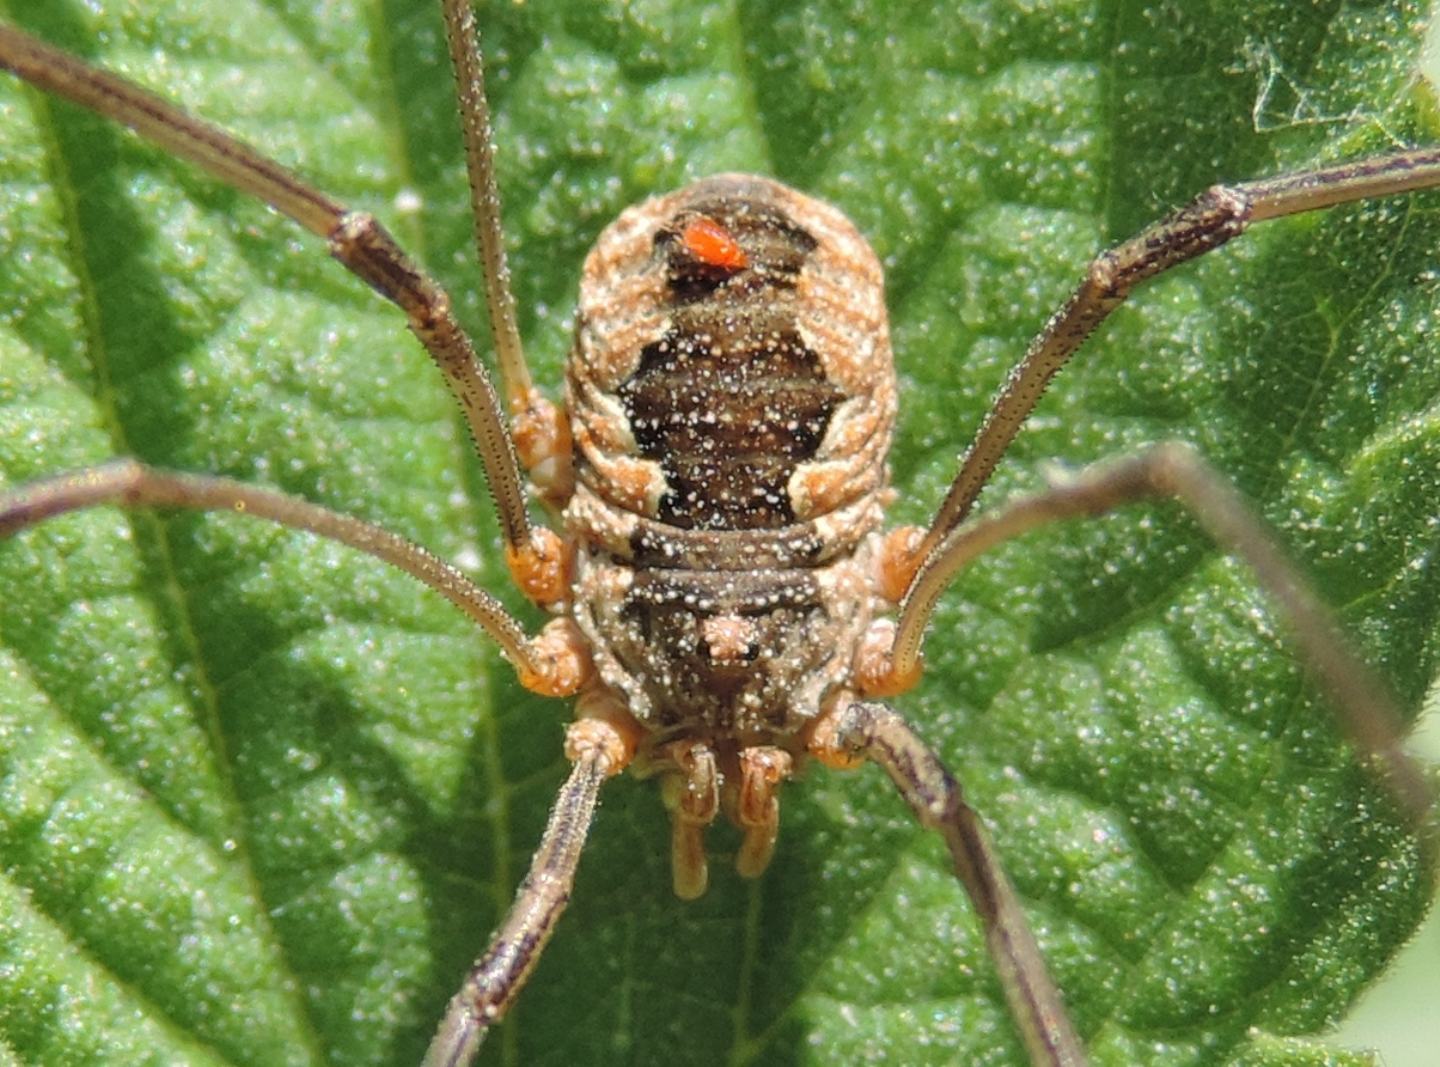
point(261, 800)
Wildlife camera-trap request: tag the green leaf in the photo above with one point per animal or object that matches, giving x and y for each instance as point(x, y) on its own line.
point(262, 800)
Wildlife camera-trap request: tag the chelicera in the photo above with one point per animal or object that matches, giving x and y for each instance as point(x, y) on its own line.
point(727, 602)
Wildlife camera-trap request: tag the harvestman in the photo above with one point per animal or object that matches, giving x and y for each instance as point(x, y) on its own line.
point(689, 565)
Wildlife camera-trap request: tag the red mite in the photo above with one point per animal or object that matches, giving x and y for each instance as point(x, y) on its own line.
point(713, 245)
point(725, 603)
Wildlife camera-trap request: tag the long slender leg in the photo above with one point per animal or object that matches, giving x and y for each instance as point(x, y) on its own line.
point(1216, 216)
point(1365, 707)
point(501, 972)
point(876, 732)
point(355, 239)
point(539, 428)
point(548, 664)
point(485, 196)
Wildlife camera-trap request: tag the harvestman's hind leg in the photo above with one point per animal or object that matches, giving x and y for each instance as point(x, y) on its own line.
point(922, 562)
point(599, 749)
point(553, 663)
point(875, 732)
point(862, 730)
point(364, 247)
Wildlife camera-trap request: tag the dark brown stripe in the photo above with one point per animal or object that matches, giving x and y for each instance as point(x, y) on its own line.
point(716, 592)
point(731, 400)
point(655, 544)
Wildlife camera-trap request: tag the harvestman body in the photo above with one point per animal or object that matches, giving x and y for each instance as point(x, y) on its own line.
point(726, 604)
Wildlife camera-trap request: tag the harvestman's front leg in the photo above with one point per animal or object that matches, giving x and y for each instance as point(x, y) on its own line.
point(540, 430)
point(1215, 217)
point(364, 247)
point(1362, 701)
point(920, 563)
